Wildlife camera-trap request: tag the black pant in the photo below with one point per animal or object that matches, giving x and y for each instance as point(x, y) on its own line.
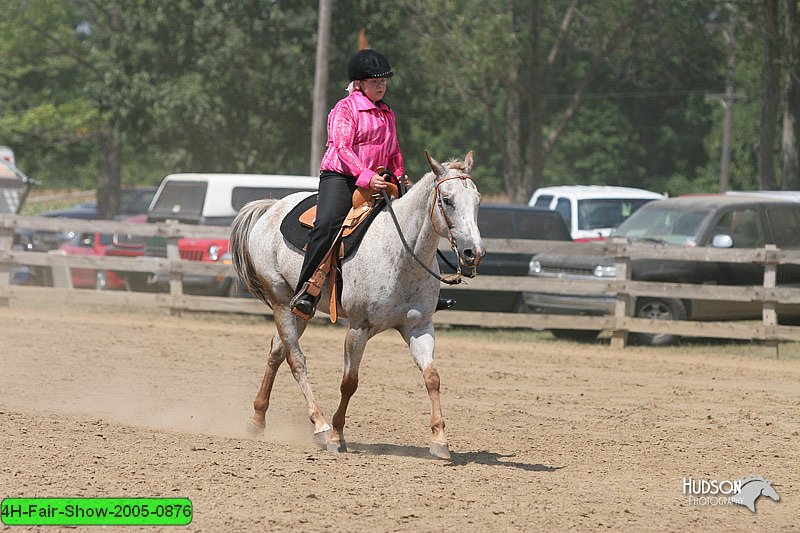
point(335, 200)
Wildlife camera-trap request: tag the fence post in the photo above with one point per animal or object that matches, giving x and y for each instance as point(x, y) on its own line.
point(175, 276)
point(60, 272)
point(622, 263)
point(769, 314)
point(6, 241)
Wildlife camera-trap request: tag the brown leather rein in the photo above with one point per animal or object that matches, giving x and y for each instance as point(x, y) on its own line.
point(437, 201)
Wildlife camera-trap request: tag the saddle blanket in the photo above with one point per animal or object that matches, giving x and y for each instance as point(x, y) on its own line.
point(297, 235)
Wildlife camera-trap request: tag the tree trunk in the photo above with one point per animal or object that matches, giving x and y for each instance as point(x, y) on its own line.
point(790, 174)
point(513, 163)
point(109, 176)
point(320, 86)
point(770, 98)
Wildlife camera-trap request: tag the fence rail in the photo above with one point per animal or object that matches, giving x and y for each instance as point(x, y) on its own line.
point(621, 288)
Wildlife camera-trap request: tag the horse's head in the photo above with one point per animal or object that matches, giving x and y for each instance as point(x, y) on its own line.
point(454, 210)
point(769, 491)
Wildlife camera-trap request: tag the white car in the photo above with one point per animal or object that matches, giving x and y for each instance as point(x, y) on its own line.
point(591, 212)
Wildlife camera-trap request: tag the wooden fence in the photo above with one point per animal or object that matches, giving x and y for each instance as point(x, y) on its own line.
point(622, 287)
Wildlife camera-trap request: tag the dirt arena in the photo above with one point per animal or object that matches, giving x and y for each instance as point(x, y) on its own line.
point(545, 434)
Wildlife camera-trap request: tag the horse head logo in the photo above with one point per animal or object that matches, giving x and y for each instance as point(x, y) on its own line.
point(752, 488)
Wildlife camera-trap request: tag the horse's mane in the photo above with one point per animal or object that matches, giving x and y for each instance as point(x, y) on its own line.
point(455, 164)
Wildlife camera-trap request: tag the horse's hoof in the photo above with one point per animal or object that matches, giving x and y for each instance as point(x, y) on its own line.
point(254, 430)
point(440, 450)
point(339, 447)
point(321, 438)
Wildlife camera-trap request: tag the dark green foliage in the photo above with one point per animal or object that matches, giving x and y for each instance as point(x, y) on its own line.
point(226, 85)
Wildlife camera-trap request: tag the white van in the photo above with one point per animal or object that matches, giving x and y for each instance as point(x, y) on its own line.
point(215, 199)
point(209, 200)
point(592, 211)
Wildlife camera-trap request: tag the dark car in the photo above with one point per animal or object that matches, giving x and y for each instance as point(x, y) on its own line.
point(134, 202)
point(505, 221)
point(697, 221)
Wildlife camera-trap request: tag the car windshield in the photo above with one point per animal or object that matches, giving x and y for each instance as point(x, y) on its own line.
point(600, 213)
point(664, 224)
point(138, 201)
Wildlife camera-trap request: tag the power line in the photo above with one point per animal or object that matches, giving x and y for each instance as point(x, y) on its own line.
point(633, 94)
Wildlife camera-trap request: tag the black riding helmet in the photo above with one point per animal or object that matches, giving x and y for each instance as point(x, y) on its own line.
point(368, 64)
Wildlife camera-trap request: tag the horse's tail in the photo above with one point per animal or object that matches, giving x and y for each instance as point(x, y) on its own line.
point(240, 256)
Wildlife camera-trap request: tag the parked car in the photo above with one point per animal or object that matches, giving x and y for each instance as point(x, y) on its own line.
point(715, 221)
point(99, 244)
point(591, 212)
point(505, 221)
point(133, 202)
point(213, 200)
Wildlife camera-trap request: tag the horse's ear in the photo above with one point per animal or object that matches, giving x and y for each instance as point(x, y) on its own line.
point(468, 162)
point(437, 168)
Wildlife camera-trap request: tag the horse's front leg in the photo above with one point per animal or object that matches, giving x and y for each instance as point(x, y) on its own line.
point(421, 343)
point(354, 344)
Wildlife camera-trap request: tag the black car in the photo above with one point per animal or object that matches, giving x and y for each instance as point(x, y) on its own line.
point(697, 221)
point(505, 221)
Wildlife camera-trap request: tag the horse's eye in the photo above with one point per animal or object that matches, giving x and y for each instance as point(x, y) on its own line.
point(447, 201)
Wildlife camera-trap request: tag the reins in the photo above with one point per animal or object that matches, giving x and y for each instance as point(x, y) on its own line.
point(456, 279)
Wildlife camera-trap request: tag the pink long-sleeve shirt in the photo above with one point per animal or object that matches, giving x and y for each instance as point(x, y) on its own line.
point(362, 136)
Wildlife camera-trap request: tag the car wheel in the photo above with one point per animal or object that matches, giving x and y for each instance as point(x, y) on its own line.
point(658, 309)
point(233, 289)
point(577, 335)
point(101, 280)
point(137, 282)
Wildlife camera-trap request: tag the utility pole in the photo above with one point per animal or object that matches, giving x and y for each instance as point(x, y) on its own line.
point(726, 99)
point(320, 86)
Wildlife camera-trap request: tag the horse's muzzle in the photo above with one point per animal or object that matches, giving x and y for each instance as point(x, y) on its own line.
point(472, 257)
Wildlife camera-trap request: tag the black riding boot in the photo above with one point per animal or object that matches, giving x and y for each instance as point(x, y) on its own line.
point(305, 304)
point(445, 303)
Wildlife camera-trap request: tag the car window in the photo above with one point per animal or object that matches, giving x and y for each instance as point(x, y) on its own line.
point(181, 198)
point(744, 226)
point(606, 212)
point(138, 201)
point(242, 196)
point(544, 200)
point(785, 221)
point(495, 224)
point(667, 224)
point(563, 209)
point(546, 226)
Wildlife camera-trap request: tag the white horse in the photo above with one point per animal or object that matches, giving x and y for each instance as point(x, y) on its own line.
point(383, 286)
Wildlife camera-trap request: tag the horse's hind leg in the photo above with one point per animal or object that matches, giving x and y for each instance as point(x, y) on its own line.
point(277, 354)
point(421, 343)
point(354, 344)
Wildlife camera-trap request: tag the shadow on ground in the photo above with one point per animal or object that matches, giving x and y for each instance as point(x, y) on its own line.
point(457, 458)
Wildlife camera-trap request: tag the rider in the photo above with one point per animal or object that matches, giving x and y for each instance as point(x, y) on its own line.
point(362, 136)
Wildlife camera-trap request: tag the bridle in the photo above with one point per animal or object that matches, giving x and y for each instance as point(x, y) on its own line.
point(455, 279)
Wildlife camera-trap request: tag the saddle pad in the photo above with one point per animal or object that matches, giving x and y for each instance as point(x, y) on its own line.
point(297, 235)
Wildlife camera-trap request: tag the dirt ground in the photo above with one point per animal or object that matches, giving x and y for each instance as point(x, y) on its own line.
point(109, 402)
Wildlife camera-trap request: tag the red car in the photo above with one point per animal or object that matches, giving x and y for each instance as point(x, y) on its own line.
point(102, 244)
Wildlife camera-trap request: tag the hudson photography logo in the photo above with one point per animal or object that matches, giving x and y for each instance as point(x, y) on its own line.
point(744, 491)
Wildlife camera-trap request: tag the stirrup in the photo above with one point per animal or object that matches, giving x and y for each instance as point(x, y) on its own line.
point(303, 305)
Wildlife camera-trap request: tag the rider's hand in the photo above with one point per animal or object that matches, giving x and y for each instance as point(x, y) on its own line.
point(377, 183)
point(404, 180)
